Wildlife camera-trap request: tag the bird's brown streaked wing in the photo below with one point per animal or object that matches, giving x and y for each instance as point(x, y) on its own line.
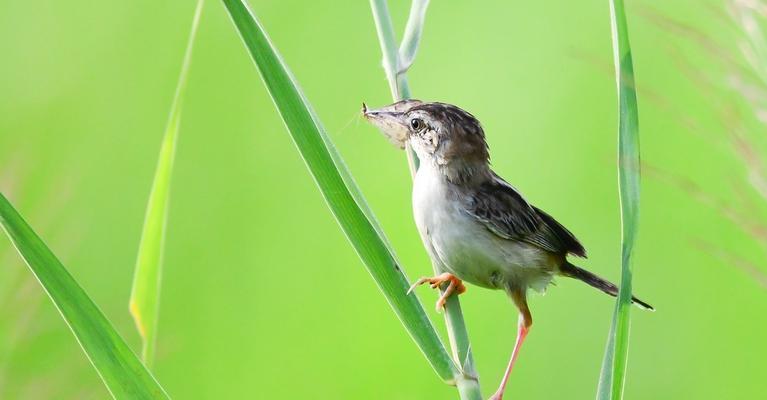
point(568, 240)
point(507, 214)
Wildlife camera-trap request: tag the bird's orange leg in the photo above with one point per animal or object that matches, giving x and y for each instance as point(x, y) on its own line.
point(455, 286)
point(525, 322)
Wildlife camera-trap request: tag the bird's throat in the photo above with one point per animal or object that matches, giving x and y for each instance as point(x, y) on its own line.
point(465, 173)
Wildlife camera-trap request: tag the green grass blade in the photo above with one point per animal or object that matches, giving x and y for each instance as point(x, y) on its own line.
point(315, 147)
point(613, 373)
point(122, 372)
point(468, 383)
point(413, 31)
point(145, 295)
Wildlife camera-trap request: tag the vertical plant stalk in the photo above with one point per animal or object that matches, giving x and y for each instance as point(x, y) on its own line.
point(395, 63)
point(613, 372)
point(396, 76)
point(145, 294)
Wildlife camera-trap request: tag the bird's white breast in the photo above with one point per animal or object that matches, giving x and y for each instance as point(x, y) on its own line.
point(463, 246)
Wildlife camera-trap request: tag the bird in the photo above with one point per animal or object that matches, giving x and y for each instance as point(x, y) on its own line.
point(475, 226)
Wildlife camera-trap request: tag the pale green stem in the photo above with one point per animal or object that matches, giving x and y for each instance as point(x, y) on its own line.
point(397, 79)
point(468, 388)
point(468, 380)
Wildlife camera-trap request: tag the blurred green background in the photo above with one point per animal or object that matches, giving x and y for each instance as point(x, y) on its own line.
point(262, 295)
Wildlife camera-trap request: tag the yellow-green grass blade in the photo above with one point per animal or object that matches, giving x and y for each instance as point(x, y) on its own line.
point(145, 295)
point(345, 202)
point(122, 372)
point(468, 383)
point(614, 364)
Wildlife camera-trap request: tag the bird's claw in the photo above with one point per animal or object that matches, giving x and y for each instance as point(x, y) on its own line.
point(454, 285)
point(417, 283)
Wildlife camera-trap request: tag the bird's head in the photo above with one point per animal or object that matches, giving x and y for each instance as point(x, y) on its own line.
point(440, 133)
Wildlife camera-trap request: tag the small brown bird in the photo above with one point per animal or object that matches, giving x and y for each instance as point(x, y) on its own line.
point(475, 226)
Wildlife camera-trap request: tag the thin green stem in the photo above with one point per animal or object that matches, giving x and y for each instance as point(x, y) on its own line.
point(388, 43)
point(468, 388)
point(398, 84)
point(395, 68)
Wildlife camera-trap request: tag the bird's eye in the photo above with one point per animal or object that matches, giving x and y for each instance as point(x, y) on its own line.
point(417, 124)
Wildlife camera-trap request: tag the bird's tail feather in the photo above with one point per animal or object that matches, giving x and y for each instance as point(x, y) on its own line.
point(581, 274)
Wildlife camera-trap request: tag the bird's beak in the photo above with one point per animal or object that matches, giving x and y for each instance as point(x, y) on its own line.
point(391, 120)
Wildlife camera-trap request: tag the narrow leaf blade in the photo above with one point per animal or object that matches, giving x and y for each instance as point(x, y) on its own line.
point(413, 31)
point(145, 294)
point(613, 373)
point(346, 203)
point(122, 372)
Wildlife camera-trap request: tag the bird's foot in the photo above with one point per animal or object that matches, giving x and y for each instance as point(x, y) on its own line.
point(455, 285)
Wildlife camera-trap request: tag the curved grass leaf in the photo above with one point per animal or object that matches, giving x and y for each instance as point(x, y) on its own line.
point(145, 294)
point(122, 372)
point(413, 31)
point(338, 189)
point(614, 364)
